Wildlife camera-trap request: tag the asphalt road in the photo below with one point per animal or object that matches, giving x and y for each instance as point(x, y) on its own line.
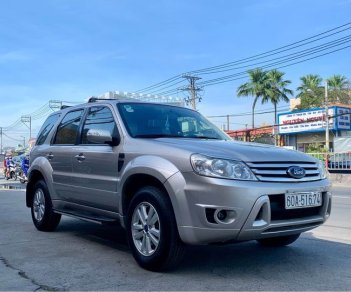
point(87, 256)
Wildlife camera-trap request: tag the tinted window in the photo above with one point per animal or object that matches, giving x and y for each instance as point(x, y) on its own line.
point(99, 118)
point(46, 128)
point(68, 129)
point(155, 120)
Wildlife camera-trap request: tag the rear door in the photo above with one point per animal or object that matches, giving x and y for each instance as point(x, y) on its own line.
point(59, 153)
point(95, 166)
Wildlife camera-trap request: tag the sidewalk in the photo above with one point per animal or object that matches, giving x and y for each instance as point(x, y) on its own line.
point(340, 179)
point(10, 184)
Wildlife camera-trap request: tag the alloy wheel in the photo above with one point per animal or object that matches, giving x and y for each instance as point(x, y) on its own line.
point(145, 228)
point(39, 205)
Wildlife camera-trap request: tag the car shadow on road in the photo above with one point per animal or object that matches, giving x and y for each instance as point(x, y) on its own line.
point(247, 259)
point(112, 236)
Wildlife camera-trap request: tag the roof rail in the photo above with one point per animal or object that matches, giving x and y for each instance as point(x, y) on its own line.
point(95, 99)
point(64, 106)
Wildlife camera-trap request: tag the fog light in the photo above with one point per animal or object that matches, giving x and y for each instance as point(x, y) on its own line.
point(221, 215)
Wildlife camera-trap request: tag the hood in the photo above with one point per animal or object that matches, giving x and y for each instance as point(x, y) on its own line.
point(244, 151)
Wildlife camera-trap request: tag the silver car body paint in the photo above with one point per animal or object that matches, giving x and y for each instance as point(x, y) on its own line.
point(96, 183)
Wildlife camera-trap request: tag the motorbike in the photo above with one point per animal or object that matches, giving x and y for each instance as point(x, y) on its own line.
point(23, 170)
point(12, 173)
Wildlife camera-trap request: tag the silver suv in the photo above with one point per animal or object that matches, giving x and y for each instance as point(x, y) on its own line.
point(170, 178)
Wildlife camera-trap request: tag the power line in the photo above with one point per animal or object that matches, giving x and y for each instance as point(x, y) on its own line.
point(301, 53)
point(17, 140)
point(266, 54)
point(278, 50)
point(229, 77)
point(243, 74)
point(281, 108)
point(160, 83)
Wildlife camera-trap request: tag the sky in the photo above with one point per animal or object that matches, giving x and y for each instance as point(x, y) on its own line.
point(71, 50)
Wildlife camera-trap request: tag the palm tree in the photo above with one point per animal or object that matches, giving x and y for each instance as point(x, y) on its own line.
point(277, 90)
point(310, 83)
point(310, 91)
point(337, 82)
point(338, 87)
point(256, 87)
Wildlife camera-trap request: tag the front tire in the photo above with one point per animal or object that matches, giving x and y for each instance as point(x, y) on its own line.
point(152, 230)
point(279, 241)
point(43, 216)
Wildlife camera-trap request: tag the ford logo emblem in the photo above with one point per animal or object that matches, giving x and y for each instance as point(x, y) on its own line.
point(296, 171)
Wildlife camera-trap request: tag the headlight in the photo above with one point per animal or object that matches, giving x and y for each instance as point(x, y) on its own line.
point(322, 170)
point(221, 168)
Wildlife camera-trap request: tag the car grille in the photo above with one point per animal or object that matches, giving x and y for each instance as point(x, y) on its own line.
point(277, 171)
point(278, 211)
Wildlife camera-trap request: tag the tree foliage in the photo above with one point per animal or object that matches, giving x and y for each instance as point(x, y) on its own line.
point(339, 89)
point(312, 92)
point(256, 87)
point(277, 90)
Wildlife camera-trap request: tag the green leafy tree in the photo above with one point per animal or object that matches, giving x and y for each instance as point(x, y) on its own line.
point(277, 90)
point(257, 86)
point(311, 91)
point(339, 89)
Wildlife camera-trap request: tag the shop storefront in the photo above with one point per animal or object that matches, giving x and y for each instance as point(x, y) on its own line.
point(302, 129)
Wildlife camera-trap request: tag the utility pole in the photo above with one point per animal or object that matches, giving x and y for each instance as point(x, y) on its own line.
point(228, 123)
point(27, 121)
point(193, 90)
point(326, 117)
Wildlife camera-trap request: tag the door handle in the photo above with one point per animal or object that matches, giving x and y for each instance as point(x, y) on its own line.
point(80, 157)
point(50, 156)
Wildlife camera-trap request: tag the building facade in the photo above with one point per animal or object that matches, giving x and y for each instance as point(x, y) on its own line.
point(304, 128)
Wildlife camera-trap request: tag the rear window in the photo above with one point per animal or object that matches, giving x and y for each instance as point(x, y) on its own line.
point(46, 128)
point(67, 131)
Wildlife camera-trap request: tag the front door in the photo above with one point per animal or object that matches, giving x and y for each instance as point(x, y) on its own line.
point(95, 166)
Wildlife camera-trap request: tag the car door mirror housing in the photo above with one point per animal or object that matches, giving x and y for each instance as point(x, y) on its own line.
point(100, 136)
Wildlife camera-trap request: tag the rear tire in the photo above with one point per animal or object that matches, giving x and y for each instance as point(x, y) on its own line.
point(152, 230)
point(43, 216)
point(279, 241)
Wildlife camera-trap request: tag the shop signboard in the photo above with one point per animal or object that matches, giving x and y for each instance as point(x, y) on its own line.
point(313, 120)
point(343, 118)
point(305, 121)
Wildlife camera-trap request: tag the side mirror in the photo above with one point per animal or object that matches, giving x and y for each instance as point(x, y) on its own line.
point(100, 136)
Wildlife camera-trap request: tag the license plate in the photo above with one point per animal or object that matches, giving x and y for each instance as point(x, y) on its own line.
point(303, 200)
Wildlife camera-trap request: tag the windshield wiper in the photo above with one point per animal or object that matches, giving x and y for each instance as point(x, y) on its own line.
point(157, 136)
point(204, 137)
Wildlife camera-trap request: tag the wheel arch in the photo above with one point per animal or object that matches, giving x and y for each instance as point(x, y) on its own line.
point(34, 176)
point(40, 170)
point(135, 182)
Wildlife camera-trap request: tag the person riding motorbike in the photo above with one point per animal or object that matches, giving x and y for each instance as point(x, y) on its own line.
point(24, 168)
point(10, 168)
point(5, 166)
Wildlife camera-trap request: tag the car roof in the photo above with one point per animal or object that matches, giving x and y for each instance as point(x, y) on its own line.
point(111, 101)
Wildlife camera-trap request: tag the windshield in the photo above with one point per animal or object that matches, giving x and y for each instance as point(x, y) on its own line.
point(155, 121)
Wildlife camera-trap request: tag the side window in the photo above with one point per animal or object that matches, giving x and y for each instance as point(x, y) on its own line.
point(46, 128)
point(68, 129)
point(99, 117)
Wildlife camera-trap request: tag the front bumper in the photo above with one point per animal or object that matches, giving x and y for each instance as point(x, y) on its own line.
point(255, 211)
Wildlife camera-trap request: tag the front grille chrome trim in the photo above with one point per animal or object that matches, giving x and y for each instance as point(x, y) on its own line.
point(277, 171)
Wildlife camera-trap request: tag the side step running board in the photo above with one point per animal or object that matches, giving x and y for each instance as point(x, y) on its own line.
point(88, 217)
